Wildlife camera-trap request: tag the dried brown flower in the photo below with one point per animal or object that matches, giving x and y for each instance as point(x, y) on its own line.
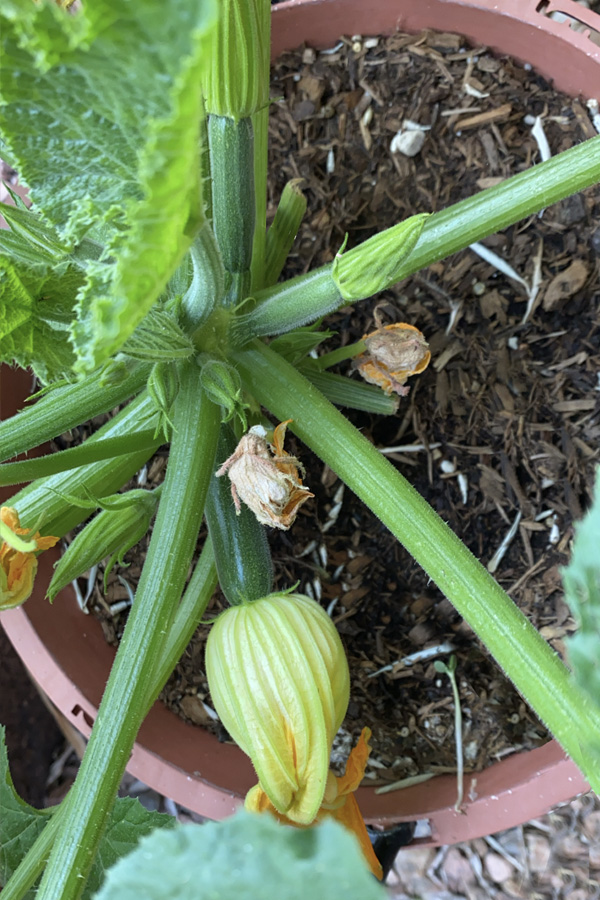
point(266, 478)
point(393, 354)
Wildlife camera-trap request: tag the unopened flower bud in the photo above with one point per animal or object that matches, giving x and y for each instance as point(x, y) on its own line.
point(266, 478)
point(377, 263)
point(223, 386)
point(110, 534)
point(393, 354)
point(279, 681)
point(163, 385)
point(18, 567)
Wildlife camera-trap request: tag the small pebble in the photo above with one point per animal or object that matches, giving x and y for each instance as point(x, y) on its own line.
point(539, 852)
point(497, 868)
point(409, 143)
point(595, 241)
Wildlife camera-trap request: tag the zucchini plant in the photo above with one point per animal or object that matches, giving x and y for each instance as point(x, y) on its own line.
point(143, 275)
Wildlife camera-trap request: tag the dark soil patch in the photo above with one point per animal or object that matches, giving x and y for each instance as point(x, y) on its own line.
point(504, 422)
point(32, 736)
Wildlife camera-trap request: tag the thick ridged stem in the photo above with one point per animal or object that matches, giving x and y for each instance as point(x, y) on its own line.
point(123, 706)
point(66, 407)
point(530, 663)
point(306, 298)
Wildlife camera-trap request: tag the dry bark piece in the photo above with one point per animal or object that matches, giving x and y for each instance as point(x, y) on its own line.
point(565, 284)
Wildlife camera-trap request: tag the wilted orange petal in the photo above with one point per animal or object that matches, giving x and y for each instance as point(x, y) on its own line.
point(279, 437)
point(44, 543)
point(355, 767)
point(349, 815)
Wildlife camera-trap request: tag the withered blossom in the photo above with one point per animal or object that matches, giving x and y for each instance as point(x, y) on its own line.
point(393, 353)
point(266, 478)
point(18, 567)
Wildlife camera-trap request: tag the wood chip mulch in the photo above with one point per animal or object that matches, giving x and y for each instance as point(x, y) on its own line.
point(505, 421)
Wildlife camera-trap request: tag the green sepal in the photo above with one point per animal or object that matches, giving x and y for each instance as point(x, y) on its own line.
point(223, 385)
point(135, 497)
point(376, 264)
point(125, 519)
point(158, 338)
point(163, 385)
point(283, 230)
point(296, 345)
point(13, 540)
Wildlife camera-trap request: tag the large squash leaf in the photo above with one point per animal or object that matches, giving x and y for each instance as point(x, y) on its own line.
point(100, 112)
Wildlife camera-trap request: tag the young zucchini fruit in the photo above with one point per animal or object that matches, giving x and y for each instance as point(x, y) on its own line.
point(241, 549)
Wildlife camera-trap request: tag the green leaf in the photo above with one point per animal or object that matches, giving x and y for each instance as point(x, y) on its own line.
point(245, 856)
point(34, 234)
point(101, 111)
point(36, 307)
point(129, 823)
point(21, 824)
point(582, 592)
point(295, 345)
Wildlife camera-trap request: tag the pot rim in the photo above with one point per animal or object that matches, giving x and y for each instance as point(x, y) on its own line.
point(522, 29)
point(54, 643)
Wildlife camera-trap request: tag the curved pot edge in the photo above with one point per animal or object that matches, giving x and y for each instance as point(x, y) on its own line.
point(568, 58)
point(534, 780)
point(557, 777)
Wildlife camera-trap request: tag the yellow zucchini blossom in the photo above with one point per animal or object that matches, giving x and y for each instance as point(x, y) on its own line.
point(18, 567)
point(279, 680)
point(339, 802)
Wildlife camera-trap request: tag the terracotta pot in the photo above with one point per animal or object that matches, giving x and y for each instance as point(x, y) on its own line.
point(65, 650)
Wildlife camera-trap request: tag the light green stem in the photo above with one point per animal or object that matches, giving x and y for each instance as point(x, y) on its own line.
point(522, 653)
point(306, 298)
point(42, 498)
point(196, 423)
point(193, 605)
point(327, 360)
point(89, 452)
point(189, 612)
point(66, 407)
point(343, 391)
